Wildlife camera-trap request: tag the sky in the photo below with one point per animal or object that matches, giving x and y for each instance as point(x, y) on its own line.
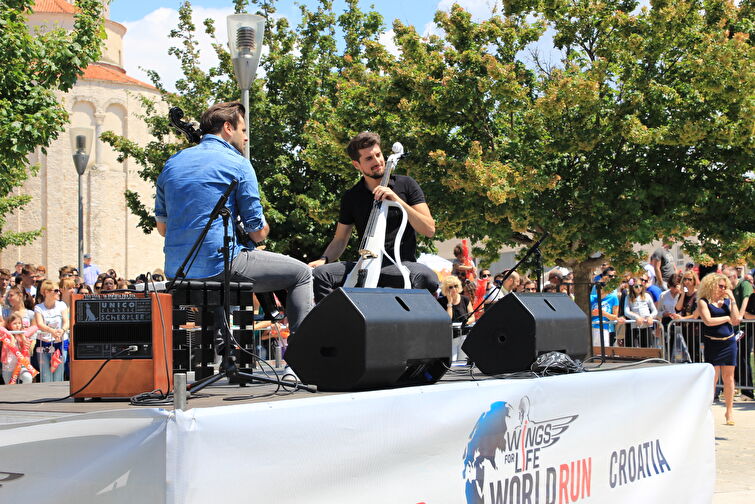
point(149, 21)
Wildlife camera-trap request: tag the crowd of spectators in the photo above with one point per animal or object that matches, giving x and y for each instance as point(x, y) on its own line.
point(34, 321)
point(638, 308)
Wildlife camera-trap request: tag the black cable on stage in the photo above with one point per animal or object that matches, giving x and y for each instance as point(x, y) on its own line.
point(281, 382)
point(38, 401)
point(631, 364)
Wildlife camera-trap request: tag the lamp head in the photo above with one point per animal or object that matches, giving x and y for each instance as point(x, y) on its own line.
point(245, 32)
point(81, 144)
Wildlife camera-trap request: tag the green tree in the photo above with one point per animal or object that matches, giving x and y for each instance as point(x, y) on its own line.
point(33, 67)
point(303, 65)
point(643, 129)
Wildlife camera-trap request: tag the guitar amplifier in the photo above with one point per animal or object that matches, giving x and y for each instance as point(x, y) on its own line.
point(104, 325)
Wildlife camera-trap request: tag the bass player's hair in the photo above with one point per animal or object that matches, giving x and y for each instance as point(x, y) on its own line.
point(363, 140)
point(215, 117)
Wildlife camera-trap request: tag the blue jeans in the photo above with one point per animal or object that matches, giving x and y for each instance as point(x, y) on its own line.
point(45, 375)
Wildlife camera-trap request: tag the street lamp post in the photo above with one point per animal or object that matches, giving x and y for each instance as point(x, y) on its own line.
point(81, 144)
point(245, 33)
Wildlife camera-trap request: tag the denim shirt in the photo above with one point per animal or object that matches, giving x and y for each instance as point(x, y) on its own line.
point(188, 188)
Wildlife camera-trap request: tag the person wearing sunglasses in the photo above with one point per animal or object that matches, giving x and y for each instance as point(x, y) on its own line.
point(67, 288)
point(492, 293)
point(51, 317)
point(640, 308)
point(453, 301)
point(720, 314)
point(686, 307)
point(529, 286)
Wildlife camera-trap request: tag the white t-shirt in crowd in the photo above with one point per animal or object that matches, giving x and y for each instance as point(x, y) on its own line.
point(667, 303)
point(53, 318)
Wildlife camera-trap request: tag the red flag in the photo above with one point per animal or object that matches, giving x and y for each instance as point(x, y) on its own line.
point(471, 274)
point(56, 360)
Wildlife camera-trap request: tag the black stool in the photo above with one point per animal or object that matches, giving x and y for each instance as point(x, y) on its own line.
point(198, 301)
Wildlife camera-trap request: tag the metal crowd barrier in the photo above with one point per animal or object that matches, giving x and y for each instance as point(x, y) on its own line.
point(631, 335)
point(692, 345)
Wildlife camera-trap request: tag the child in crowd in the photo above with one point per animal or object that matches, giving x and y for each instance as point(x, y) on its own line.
point(17, 345)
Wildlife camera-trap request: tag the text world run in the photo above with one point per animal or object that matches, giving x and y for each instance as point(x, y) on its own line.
point(569, 483)
point(636, 462)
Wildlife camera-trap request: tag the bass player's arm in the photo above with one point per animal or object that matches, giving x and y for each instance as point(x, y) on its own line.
point(419, 215)
point(336, 246)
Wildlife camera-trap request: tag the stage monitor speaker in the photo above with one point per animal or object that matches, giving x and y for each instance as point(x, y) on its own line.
point(360, 339)
point(104, 325)
point(518, 328)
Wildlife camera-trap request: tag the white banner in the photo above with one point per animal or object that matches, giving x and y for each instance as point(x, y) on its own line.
point(109, 457)
point(639, 435)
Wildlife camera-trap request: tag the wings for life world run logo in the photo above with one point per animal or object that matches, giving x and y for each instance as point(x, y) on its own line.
point(505, 461)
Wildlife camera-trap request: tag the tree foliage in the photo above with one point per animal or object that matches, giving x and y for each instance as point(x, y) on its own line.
point(641, 130)
point(605, 124)
point(33, 67)
point(303, 65)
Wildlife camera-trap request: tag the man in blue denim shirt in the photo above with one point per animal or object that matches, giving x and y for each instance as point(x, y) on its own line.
point(188, 188)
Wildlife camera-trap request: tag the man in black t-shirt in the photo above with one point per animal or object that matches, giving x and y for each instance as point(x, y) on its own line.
point(356, 206)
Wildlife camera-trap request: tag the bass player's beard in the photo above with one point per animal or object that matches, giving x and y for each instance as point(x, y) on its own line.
point(376, 172)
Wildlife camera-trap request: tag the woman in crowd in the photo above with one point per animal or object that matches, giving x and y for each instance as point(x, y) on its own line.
point(719, 313)
point(17, 305)
point(85, 289)
point(639, 307)
point(453, 301)
point(67, 288)
point(667, 306)
point(686, 307)
point(566, 288)
point(669, 298)
point(529, 286)
point(108, 284)
point(51, 316)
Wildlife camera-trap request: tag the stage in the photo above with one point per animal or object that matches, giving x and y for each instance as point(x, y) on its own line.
point(638, 434)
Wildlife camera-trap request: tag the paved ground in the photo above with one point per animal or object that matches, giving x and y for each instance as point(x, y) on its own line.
point(735, 455)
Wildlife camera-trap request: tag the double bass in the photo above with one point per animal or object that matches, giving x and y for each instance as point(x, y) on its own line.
point(366, 273)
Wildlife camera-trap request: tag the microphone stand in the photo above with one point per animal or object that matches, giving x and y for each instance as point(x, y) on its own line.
point(533, 249)
point(598, 290)
point(229, 361)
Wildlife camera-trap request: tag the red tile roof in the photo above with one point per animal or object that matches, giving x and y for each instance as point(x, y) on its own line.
point(111, 73)
point(58, 6)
